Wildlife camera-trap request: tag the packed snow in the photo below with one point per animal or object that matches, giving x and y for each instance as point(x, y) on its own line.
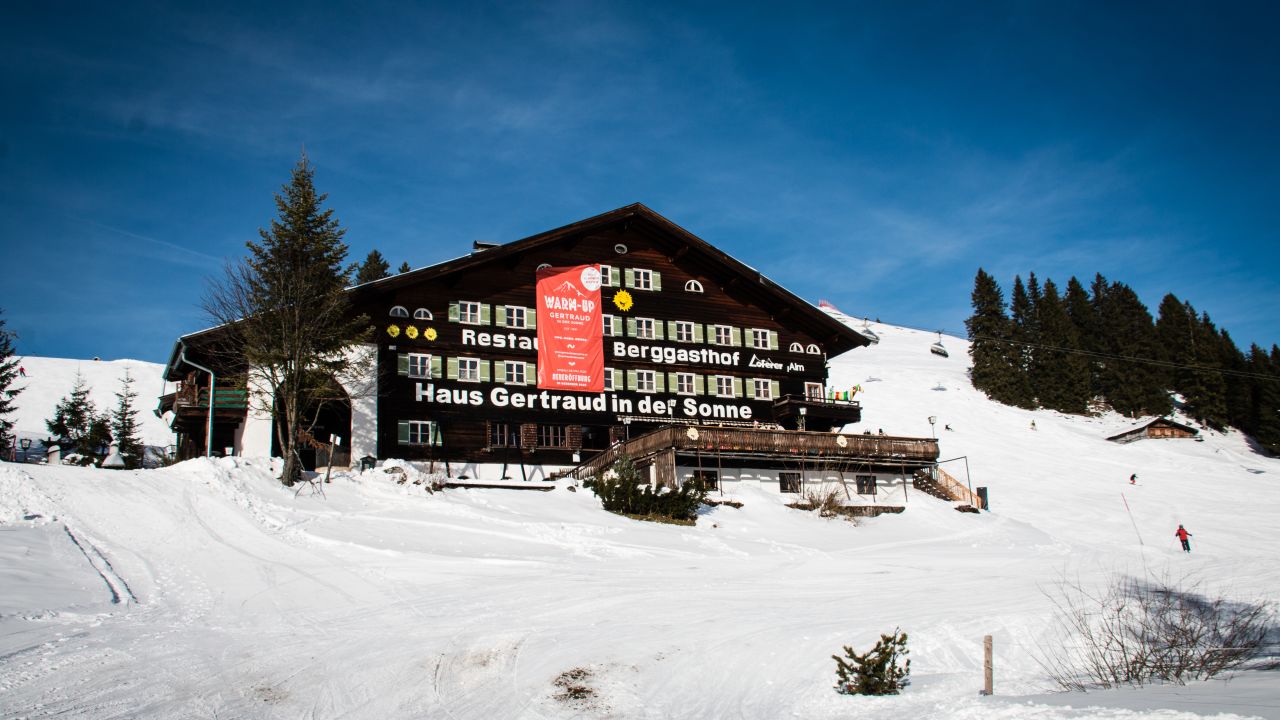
point(208, 590)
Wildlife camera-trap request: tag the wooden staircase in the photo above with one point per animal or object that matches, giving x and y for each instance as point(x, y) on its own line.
point(937, 482)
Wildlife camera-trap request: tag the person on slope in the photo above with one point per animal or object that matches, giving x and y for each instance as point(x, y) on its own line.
point(1182, 535)
point(1133, 479)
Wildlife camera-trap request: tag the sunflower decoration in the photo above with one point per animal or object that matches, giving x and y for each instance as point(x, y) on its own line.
point(429, 334)
point(393, 330)
point(411, 332)
point(622, 300)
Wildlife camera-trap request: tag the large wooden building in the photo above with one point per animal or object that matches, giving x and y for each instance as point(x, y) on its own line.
point(691, 337)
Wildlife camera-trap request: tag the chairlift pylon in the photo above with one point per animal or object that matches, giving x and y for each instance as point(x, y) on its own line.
point(938, 348)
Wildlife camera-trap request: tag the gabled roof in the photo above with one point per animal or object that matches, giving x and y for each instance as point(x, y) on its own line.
point(733, 275)
point(737, 277)
point(1158, 422)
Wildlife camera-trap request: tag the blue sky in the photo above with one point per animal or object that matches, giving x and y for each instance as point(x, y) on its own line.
point(873, 154)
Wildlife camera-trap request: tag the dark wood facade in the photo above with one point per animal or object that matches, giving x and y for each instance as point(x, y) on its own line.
point(1160, 428)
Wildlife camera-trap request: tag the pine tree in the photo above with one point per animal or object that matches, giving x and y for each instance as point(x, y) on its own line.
point(1237, 391)
point(1081, 311)
point(877, 671)
point(8, 378)
point(1207, 401)
point(404, 268)
point(76, 425)
point(286, 307)
point(1023, 335)
point(1059, 372)
point(374, 267)
point(995, 359)
point(1127, 331)
point(1264, 411)
point(124, 424)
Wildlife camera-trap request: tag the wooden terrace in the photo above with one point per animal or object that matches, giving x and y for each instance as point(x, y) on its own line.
point(702, 444)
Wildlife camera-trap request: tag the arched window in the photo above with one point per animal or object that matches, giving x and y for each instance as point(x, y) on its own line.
point(814, 349)
point(797, 348)
point(693, 286)
point(543, 266)
point(400, 311)
point(422, 314)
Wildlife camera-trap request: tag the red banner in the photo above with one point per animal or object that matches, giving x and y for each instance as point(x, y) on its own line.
point(570, 329)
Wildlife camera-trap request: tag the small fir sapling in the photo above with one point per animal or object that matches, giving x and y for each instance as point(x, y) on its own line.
point(876, 672)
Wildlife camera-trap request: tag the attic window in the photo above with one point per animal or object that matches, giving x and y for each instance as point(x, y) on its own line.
point(620, 249)
point(400, 311)
point(544, 266)
point(422, 314)
point(813, 349)
point(797, 348)
point(693, 286)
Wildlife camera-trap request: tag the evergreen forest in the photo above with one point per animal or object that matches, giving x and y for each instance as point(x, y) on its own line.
point(1078, 350)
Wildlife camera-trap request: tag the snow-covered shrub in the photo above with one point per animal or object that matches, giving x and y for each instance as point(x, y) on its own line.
point(879, 671)
point(1135, 631)
point(623, 489)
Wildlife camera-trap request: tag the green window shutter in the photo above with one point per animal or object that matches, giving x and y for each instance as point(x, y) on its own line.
point(631, 379)
point(631, 278)
point(660, 382)
point(617, 325)
point(531, 318)
point(403, 429)
point(451, 371)
point(484, 371)
point(453, 312)
point(500, 370)
point(776, 388)
point(631, 327)
point(737, 336)
point(698, 334)
point(502, 316)
point(672, 382)
point(530, 373)
point(671, 329)
point(699, 385)
point(657, 281)
point(402, 364)
point(773, 339)
point(750, 389)
point(614, 274)
point(486, 313)
point(737, 387)
point(658, 333)
point(618, 380)
point(433, 434)
point(435, 366)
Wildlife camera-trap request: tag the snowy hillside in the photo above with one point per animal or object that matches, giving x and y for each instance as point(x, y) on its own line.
point(234, 597)
point(49, 380)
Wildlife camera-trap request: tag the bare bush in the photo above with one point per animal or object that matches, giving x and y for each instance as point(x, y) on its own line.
point(573, 686)
point(1133, 631)
point(825, 501)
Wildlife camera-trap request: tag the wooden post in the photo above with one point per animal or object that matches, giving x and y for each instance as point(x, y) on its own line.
point(987, 674)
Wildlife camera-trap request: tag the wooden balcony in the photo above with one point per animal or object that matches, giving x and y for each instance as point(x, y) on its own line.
point(192, 402)
point(819, 413)
point(765, 446)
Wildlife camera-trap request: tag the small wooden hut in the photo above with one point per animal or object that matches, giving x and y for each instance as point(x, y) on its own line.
point(1160, 428)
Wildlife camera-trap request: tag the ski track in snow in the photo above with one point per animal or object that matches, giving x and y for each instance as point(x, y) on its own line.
point(206, 590)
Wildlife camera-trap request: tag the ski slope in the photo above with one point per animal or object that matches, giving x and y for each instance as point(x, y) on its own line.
point(49, 380)
point(207, 590)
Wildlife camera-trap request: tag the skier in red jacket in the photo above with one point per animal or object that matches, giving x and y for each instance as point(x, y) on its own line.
point(1182, 535)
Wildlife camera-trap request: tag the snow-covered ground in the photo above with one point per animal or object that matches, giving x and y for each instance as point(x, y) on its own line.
point(49, 380)
point(207, 590)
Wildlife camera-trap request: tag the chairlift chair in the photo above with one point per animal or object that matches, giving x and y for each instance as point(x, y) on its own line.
point(938, 348)
point(868, 333)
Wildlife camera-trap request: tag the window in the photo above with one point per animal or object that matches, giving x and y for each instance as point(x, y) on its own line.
point(503, 435)
point(644, 279)
point(469, 369)
point(422, 314)
point(469, 313)
point(813, 349)
point(763, 388)
point(722, 335)
point(866, 484)
point(608, 377)
point(814, 391)
point(515, 316)
point(515, 373)
point(760, 339)
point(789, 482)
point(419, 432)
point(400, 311)
point(708, 479)
point(419, 365)
point(552, 436)
point(684, 331)
point(724, 386)
point(606, 276)
point(608, 325)
point(644, 329)
point(685, 383)
point(693, 286)
point(646, 381)
point(797, 347)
